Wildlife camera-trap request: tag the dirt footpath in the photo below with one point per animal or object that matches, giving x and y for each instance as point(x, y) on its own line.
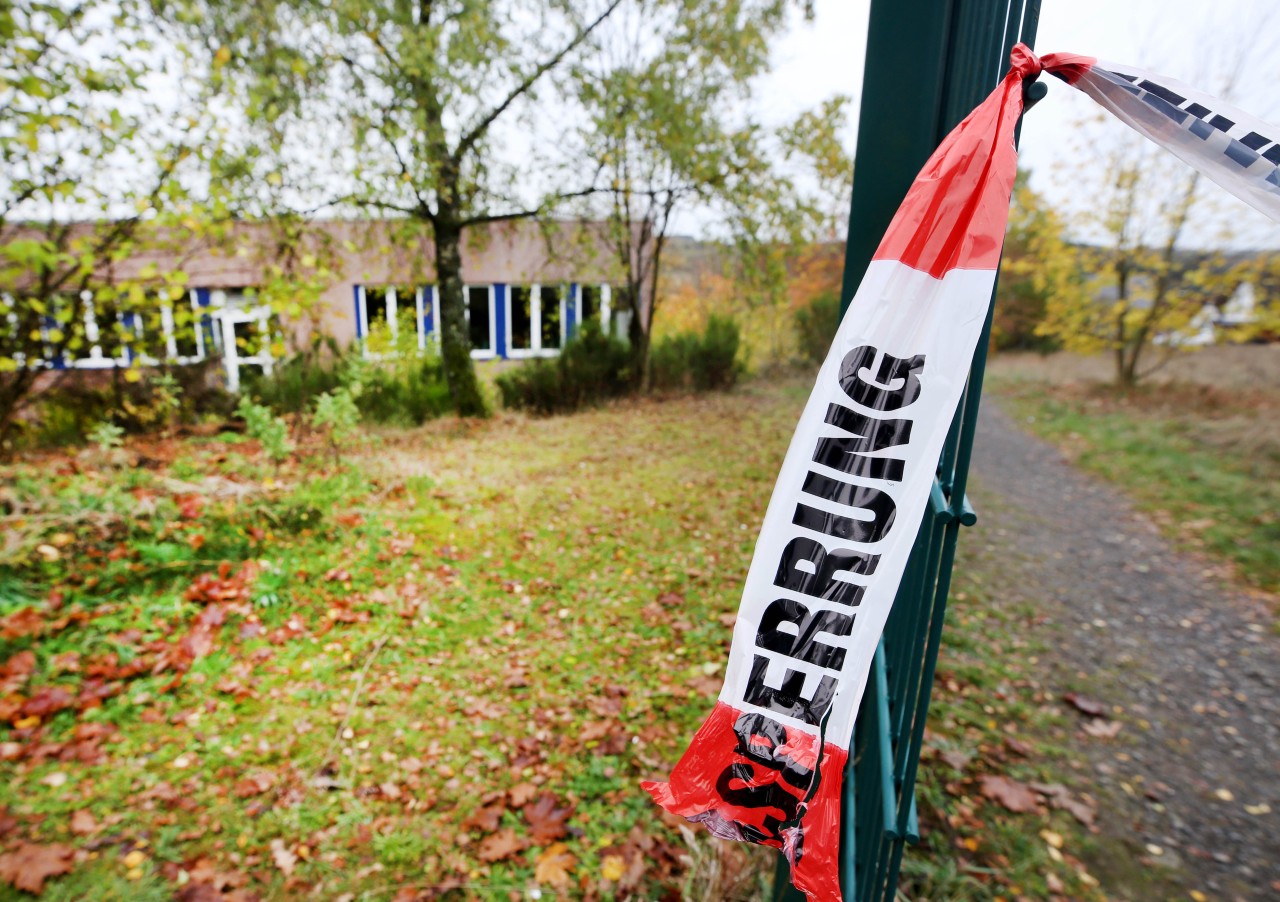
point(1190, 788)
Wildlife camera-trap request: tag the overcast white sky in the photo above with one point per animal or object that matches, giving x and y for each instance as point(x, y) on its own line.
point(1189, 40)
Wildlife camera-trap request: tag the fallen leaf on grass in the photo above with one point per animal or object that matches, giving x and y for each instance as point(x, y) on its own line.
point(554, 865)
point(284, 859)
point(29, 865)
point(1102, 729)
point(1009, 793)
point(1018, 747)
point(25, 622)
point(83, 824)
point(522, 794)
point(14, 672)
point(613, 867)
point(1085, 705)
point(485, 819)
point(500, 845)
point(254, 785)
point(1060, 797)
point(546, 821)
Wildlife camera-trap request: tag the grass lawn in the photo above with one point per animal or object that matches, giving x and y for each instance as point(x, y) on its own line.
point(441, 666)
point(1202, 455)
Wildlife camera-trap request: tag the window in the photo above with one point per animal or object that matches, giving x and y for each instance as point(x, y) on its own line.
point(184, 328)
point(480, 319)
point(551, 316)
point(618, 311)
point(378, 303)
point(521, 320)
point(588, 302)
point(386, 313)
point(126, 336)
point(152, 345)
point(535, 323)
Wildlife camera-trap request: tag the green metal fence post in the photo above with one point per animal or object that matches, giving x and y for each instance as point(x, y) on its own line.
point(929, 62)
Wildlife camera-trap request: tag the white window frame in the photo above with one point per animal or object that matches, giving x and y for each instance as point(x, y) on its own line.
point(535, 348)
point(491, 352)
point(96, 359)
point(602, 313)
point(391, 312)
point(170, 326)
point(606, 309)
point(227, 318)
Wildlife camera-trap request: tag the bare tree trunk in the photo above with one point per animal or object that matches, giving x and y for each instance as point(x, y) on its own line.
point(455, 341)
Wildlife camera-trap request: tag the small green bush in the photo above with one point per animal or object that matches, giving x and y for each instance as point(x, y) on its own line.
point(690, 361)
point(406, 388)
point(593, 367)
point(337, 415)
point(270, 431)
point(107, 436)
point(295, 383)
point(158, 398)
point(816, 325)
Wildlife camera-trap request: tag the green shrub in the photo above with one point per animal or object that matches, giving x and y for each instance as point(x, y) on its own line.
point(671, 359)
point(337, 415)
point(155, 398)
point(267, 428)
point(816, 325)
point(107, 436)
point(593, 367)
point(690, 361)
point(295, 383)
point(406, 388)
point(717, 366)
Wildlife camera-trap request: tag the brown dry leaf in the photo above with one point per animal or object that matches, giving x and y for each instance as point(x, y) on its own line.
point(1060, 797)
point(25, 622)
point(1102, 729)
point(485, 819)
point(554, 865)
point(254, 784)
point(285, 860)
point(1011, 794)
point(522, 794)
point(29, 865)
point(546, 821)
point(500, 845)
point(18, 667)
point(1018, 747)
point(1085, 705)
point(83, 824)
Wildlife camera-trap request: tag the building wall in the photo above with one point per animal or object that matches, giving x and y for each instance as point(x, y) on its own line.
point(349, 263)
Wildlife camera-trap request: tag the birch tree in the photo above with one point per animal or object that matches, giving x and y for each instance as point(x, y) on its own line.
point(398, 108)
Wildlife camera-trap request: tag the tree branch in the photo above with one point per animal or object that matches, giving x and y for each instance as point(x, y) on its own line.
point(477, 132)
point(482, 218)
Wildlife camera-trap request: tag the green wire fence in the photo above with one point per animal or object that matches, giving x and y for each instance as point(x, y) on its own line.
point(929, 63)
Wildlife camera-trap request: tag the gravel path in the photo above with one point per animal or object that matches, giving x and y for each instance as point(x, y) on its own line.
point(1191, 787)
